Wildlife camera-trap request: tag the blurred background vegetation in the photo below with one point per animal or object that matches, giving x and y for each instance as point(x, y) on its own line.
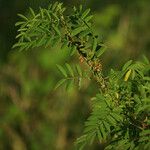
point(32, 115)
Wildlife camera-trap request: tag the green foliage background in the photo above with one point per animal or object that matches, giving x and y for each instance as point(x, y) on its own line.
point(33, 115)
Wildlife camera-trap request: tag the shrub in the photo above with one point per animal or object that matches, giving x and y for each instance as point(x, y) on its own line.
point(120, 111)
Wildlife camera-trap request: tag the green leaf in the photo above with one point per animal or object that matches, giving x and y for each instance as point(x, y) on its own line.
point(100, 138)
point(62, 70)
point(145, 132)
point(70, 69)
point(20, 23)
point(22, 29)
point(72, 50)
point(49, 42)
point(111, 121)
point(107, 126)
point(145, 59)
point(85, 13)
point(144, 138)
point(125, 67)
point(85, 33)
point(132, 146)
point(20, 35)
point(102, 130)
point(92, 138)
point(48, 14)
point(80, 8)
point(79, 71)
point(32, 12)
point(117, 117)
point(59, 83)
point(87, 19)
point(56, 30)
point(94, 44)
point(133, 74)
point(19, 44)
point(65, 45)
point(69, 84)
point(101, 51)
point(42, 41)
point(55, 41)
point(23, 17)
point(54, 6)
point(78, 30)
point(140, 73)
point(41, 13)
point(58, 7)
point(23, 47)
point(146, 78)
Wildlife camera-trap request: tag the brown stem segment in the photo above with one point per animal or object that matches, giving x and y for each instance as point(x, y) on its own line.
point(94, 64)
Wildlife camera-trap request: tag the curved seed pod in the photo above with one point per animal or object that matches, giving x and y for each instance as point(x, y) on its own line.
point(127, 75)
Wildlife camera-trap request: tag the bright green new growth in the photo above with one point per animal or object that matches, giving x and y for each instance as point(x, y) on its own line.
point(121, 110)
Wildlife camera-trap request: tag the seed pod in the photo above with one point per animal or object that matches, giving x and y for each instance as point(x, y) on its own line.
point(117, 95)
point(127, 75)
